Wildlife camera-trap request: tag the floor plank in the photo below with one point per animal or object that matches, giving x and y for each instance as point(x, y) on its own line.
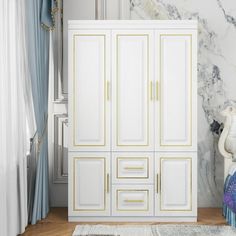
point(56, 223)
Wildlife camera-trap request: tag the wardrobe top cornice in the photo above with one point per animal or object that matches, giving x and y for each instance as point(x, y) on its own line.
point(132, 24)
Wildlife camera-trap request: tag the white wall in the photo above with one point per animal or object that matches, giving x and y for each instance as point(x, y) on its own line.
point(72, 10)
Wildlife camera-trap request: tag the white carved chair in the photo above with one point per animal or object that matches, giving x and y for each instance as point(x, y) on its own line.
point(227, 141)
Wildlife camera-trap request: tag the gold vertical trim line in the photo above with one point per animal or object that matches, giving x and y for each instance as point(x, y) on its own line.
point(151, 89)
point(157, 91)
point(104, 176)
point(117, 90)
point(108, 183)
point(190, 89)
point(74, 85)
point(74, 180)
point(160, 183)
point(108, 90)
point(104, 88)
point(157, 183)
point(74, 175)
point(189, 93)
point(148, 68)
point(191, 187)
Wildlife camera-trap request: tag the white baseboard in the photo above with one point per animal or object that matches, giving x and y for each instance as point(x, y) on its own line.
point(132, 219)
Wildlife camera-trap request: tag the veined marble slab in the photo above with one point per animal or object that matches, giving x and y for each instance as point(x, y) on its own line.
point(216, 77)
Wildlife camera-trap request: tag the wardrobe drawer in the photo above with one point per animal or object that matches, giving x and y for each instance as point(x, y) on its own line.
point(132, 200)
point(132, 167)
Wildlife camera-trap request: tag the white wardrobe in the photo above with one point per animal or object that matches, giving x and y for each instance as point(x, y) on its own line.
point(132, 120)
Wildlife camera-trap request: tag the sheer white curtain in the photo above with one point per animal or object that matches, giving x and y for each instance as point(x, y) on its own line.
point(16, 118)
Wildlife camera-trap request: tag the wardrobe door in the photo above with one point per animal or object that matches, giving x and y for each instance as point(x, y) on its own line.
point(89, 75)
point(89, 184)
point(176, 184)
point(175, 70)
point(132, 90)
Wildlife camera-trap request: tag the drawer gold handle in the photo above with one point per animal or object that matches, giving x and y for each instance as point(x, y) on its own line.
point(134, 168)
point(108, 183)
point(133, 200)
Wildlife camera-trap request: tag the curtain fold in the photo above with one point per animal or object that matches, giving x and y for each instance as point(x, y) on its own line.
point(16, 118)
point(39, 22)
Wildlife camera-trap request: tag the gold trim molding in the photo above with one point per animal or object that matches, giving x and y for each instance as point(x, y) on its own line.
point(117, 89)
point(104, 88)
point(74, 182)
point(190, 181)
point(189, 92)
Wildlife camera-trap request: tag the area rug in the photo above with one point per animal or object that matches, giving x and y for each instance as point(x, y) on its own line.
point(153, 230)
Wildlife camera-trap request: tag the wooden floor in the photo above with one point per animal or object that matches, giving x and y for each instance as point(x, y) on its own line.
point(56, 223)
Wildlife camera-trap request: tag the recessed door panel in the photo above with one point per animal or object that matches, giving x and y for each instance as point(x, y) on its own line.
point(176, 184)
point(90, 78)
point(175, 87)
point(89, 186)
point(132, 92)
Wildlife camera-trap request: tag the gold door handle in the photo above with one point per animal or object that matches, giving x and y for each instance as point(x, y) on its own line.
point(108, 90)
point(157, 183)
point(108, 183)
point(157, 90)
point(133, 168)
point(133, 200)
point(151, 90)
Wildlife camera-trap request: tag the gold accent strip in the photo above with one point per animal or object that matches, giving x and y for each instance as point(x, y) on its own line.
point(117, 90)
point(190, 93)
point(108, 183)
point(157, 183)
point(131, 159)
point(151, 91)
point(108, 90)
point(157, 90)
point(74, 90)
point(132, 190)
point(74, 182)
point(190, 177)
point(133, 200)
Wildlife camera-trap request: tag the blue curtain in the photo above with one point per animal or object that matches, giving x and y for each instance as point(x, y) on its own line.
point(39, 22)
